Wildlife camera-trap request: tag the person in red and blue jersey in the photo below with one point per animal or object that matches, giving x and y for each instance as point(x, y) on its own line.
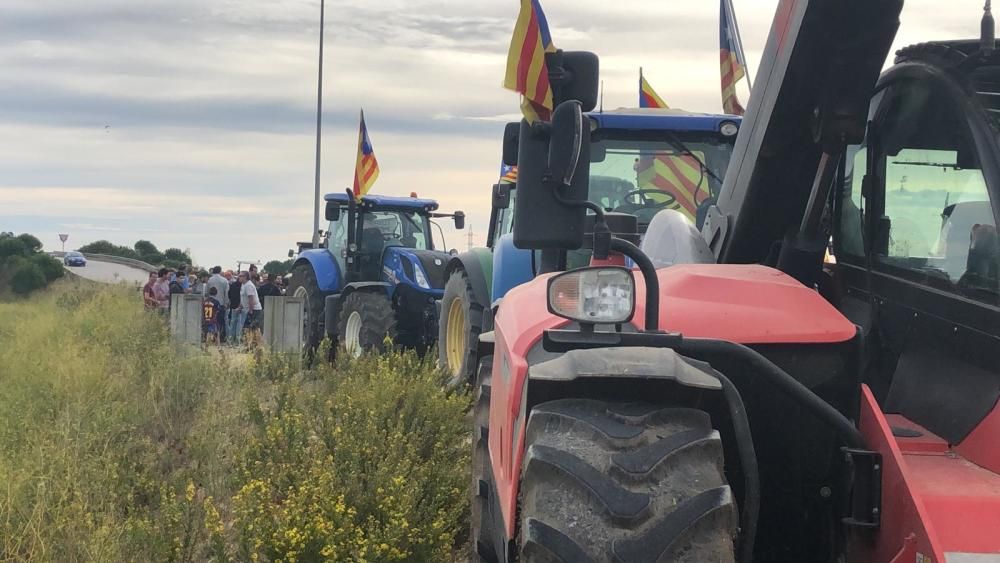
point(211, 317)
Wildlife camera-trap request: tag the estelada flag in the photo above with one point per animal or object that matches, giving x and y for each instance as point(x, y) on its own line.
point(366, 167)
point(527, 72)
point(508, 174)
point(648, 98)
point(733, 62)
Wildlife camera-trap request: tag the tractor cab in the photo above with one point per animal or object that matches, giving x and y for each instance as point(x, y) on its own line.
point(388, 239)
point(376, 277)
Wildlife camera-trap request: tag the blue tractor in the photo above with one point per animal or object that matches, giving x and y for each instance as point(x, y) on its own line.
point(376, 275)
point(642, 162)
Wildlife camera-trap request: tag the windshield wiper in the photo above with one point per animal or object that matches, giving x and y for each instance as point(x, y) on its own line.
point(679, 146)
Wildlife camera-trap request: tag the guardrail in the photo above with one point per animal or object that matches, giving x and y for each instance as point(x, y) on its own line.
point(131, 262)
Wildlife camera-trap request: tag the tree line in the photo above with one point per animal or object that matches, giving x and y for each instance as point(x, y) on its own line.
point(142, 250)
point(23, 266)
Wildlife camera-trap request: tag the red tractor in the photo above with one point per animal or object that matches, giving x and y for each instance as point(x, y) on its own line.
point(734, 397)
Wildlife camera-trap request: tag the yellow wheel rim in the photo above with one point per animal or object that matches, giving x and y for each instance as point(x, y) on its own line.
point(455, 344)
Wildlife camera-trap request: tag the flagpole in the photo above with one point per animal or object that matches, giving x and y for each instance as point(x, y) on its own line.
point(739, 41)
point(319, 125)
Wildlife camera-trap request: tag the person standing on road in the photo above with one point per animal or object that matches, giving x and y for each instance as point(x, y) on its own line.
point(211, 312)
point(221, 286)
point(267, 288)
point(148, 296)
point(250, 301)
point(161, 291)
point(237, 315)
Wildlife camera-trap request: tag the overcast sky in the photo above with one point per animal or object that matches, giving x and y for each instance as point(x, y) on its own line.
point(191, 122)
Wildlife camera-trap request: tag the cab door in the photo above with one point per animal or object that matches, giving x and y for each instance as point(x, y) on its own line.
point(917, 250)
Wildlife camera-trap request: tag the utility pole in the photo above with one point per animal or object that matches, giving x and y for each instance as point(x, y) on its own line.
point(319, 124)
point(471, 238)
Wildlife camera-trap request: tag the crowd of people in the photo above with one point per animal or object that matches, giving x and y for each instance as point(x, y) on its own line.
point(232, 303)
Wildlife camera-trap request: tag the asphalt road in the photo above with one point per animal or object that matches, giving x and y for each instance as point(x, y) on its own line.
point(107, 272)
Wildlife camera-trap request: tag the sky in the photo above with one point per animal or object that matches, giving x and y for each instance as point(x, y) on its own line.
point(191, 123)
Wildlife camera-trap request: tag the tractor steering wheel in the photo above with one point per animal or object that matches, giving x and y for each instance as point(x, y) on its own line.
point(647, 203)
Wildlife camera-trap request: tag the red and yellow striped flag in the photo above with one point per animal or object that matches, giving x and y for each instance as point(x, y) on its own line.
point(527, 72)
point(648, 98)
point(733, 63)
point(678, 176)
point(366, 166)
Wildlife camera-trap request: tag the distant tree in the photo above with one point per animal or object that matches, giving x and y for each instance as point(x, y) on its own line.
point(278, 267)
point(11, 246)
point(30, 242)
point(23, 266)
point(109, 248)
point(146, 249)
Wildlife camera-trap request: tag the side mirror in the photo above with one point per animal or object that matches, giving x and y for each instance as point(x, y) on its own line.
point(566, 142)
point(459, 220)
point(575, 75)
point(553, 168)
point(501, 196)
point(332, 211)
point(510, 137)
point(291, 253)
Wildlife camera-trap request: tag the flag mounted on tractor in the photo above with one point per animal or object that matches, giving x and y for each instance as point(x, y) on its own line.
point(508, 174)
point(733, 61)
point(648, 98)
point(527, 71)
point(366, 166)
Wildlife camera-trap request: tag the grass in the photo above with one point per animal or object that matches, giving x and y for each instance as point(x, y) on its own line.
point(114, 447)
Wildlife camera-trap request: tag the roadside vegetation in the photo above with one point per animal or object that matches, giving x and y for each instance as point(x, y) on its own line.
point(24, 268)
point(141, 250)
point(115, 447)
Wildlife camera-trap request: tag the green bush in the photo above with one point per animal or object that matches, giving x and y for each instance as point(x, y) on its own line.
point(376, 471)
point(26, 276)
point(51, 268)
point(11, 246)
point(115, 447)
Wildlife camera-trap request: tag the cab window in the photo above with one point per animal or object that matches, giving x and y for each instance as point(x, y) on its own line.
point(937, 219)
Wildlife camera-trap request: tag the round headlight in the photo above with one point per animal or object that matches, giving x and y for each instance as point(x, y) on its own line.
point(728, 128)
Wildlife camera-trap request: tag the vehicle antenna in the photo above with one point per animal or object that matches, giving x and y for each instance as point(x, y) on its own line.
point(987, 41)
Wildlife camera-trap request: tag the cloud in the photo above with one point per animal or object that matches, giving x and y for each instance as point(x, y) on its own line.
point(211, 104)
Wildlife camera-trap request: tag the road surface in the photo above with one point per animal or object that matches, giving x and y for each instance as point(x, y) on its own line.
point(107, 272)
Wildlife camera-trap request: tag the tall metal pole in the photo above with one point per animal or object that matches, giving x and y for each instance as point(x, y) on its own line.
point(319, 124)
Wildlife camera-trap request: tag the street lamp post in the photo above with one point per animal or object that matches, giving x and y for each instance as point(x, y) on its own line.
point(319, 124)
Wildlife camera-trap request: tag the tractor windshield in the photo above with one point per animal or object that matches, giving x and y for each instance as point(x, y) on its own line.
point(395, 228)
point(644, 172)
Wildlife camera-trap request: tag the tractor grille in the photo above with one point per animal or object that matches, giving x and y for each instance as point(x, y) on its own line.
point(435, 271)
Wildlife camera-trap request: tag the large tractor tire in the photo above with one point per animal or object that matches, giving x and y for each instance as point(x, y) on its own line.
point(459, 328)
point(304, 284)
point(366, 319)
point(624, 482)
point(483, 550)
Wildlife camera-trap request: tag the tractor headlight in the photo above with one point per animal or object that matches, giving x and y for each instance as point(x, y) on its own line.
point(728, 128)
point(593, 295)
point(419, 277)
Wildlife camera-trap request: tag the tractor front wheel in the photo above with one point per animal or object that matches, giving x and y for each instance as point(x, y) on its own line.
point(366, 319)
point(459, 328)
point(606, 481)
point(305, 285)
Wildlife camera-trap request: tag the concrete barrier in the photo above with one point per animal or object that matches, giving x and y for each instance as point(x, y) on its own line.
point(185, 318)
point(283, 323)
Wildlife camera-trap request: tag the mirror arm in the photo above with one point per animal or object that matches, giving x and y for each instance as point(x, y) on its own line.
point(602, 234)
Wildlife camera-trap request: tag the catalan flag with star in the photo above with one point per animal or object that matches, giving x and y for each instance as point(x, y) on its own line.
point(508, 174)
point(366, 167)
point(733, 62)
point(527, 72)
point(648, 98)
